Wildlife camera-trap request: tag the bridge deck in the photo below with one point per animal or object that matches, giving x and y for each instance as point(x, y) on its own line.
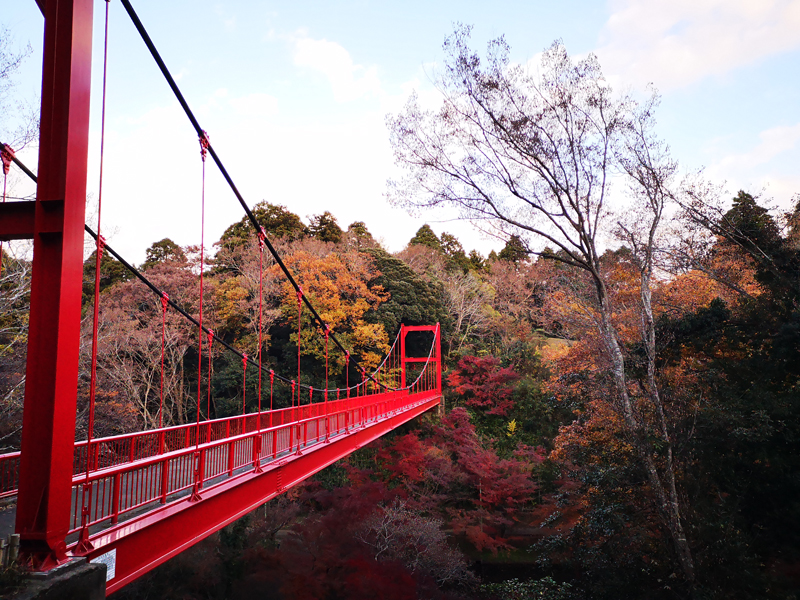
point(142, 505)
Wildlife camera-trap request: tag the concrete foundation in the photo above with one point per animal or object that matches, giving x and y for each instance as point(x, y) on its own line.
point(74, 580)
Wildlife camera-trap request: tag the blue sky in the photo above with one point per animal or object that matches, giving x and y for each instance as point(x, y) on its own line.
point(294, 94)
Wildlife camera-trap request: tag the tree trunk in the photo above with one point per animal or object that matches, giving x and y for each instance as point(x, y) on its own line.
point(668, 503)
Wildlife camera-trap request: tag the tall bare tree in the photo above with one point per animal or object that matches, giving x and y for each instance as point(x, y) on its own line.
point(536, 155)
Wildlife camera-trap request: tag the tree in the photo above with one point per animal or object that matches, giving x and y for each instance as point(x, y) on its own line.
point(359, 236)
point(339, 288)
point(15, 291)
point(163, 251)
point(397, 533)
point(111, 271)
point(745, 229)
point(484, 384)
point(535, 156)
point(325, 228)
point(277, 221)
point(412, 300)
point(425, 237)
point(130, 343)
point(514, 251)
point(454, 251)
point(476, 262)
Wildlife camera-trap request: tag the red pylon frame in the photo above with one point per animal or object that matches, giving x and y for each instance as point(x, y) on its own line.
point(55, 222)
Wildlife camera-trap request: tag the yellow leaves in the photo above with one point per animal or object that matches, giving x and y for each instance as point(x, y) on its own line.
point(512, 428)
point(338, 287)
point(231, 296)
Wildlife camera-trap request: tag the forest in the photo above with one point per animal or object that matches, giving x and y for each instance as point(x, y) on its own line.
point(529, 486)
point(622, 417)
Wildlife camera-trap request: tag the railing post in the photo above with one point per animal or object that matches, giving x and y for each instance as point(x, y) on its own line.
point(115, 499)
point(201, 467)
point(164, 481)
point(231, 457)
point(198, 457)
point(257, 452)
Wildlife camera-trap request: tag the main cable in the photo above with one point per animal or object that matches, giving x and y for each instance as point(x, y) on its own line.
point(186, 315)
point(176, 90)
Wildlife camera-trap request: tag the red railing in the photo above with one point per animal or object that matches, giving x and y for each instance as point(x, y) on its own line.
point(131, 447)
point(108, 452)
point(120, 490)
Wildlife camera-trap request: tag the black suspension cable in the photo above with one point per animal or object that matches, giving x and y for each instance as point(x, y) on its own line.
point(199, 130)
point(160, 294)
point(171, 302)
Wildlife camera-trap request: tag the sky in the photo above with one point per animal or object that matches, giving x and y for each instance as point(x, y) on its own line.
point(294, 97)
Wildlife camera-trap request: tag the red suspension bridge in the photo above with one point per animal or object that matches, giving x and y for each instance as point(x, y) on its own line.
point(135, 500)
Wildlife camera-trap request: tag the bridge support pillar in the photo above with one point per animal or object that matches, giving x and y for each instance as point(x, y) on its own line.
point(48, 431)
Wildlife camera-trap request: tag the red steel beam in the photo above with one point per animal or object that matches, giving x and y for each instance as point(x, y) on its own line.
point(142, 544)
point(18, 219)
point(48, 432)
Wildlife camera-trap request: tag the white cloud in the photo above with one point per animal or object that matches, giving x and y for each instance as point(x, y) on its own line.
point(348, 80)
point(774, 141)
point(767, 167)
point(679, 42)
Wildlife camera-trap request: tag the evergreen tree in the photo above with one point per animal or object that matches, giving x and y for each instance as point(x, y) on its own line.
point(163, 251)
point(359, 235)
point(454, 251)
point(111, 271)
point(325, 228)
point(514, 251)
point(425, 237)
point(277, 221)
point(412, 299)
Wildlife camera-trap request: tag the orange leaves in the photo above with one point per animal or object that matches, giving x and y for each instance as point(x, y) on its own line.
point(338, 287)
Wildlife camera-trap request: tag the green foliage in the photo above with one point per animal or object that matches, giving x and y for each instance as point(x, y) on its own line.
point(163, 251)
point(111, 271)
point(277, 221)
point(454, 252)
point(514, 251)
point(476, 261)
point(751, 225)
point(425, 237)
point(750, 228)
point(412, 299)
point(359, 235)
point(325, 228)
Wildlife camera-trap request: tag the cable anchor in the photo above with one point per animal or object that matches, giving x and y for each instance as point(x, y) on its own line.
point(203, 138)
point(7, 155)
point(262, 236)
